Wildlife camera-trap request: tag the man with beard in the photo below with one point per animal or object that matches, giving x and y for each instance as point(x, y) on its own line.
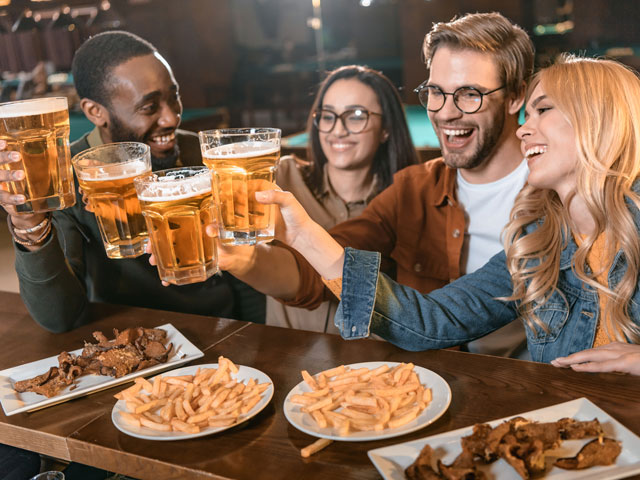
point(128, 91)
point(442, 219)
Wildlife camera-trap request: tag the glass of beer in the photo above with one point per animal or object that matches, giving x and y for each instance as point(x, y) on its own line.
point(177, 205)
point(105, 174)
point(243, 161)
point(39, 130)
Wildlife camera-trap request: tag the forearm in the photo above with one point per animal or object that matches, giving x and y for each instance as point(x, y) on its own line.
point(30, 231)
point(272, 270)
point(463, 311)
point(320, 249)
point(54, 296)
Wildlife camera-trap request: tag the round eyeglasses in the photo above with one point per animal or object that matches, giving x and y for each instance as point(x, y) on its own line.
point(354, 120)
point(466, 99)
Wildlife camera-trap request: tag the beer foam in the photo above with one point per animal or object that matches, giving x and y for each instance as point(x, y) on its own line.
point(39, 106)
point(112, 172)
point(243, 150)
point(175, 187)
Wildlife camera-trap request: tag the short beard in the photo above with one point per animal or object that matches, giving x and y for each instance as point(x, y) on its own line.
point(120, 133)
point(485, 147)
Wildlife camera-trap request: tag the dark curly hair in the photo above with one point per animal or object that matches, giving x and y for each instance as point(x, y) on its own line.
point(96, 58)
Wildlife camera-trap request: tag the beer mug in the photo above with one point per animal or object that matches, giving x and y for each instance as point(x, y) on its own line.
point(105, 174)
point(177, 205)
point(39, 130)
point(243, 162)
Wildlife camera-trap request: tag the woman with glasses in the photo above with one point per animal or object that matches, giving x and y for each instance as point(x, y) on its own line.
point(571, 263)
point(358, 139)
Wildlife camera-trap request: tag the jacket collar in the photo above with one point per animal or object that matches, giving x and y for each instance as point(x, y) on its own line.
point(94, 139)
point(444, 189)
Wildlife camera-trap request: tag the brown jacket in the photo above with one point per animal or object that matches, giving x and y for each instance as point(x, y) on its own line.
point(417, 226)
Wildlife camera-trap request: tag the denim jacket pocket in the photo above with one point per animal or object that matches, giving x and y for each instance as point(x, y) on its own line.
point(554, 314)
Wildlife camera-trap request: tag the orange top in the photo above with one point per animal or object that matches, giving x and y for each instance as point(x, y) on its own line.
point(598, 263)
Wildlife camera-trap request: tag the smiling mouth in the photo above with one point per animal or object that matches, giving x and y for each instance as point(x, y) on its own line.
point(163, 140)
point(535, 151)
point(457, 136)
point(341, 146)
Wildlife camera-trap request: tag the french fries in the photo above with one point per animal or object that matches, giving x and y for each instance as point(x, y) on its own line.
point(189, 403)
point(362, 399)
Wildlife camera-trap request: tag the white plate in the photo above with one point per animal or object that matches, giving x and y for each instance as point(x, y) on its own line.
point(441, 400)
point(244, 374)
point(13, 402)
point(391, 461)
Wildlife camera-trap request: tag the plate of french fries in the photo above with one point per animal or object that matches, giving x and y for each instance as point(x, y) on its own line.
point(192, 401)
point(367, 401)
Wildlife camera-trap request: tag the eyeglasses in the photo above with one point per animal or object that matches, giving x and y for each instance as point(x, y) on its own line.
point(354, 120)
point(466, 99)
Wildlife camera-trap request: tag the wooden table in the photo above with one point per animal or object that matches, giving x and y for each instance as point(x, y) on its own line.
point(484, 388)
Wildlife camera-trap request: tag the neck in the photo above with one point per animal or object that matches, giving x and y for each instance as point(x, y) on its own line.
point(350, 185)
point(581, 220)
point(105, 135)
point(504, 159)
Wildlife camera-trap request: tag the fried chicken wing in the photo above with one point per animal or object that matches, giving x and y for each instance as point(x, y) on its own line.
point(600, 451)
point(131, 350)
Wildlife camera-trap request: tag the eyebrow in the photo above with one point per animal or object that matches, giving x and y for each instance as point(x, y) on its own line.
point(147, 98)
point(478, 87)
point(153, 95)
point(537, 101)
point(533, 105)
point(347, 107)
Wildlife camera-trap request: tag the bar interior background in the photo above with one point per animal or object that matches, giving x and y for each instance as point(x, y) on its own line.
point(257, 62)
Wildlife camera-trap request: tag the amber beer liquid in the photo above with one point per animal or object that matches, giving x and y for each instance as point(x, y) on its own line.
point(106, 175)
point(240, 170)
point(177, 205)
point(39, 131)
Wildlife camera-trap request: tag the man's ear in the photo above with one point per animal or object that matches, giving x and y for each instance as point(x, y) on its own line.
point(95, 112)
point(517, 100)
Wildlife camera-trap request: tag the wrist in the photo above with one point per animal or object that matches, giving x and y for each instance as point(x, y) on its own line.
point(25, 222)
point(306, 237)
point(321, 251)
point(33, 235)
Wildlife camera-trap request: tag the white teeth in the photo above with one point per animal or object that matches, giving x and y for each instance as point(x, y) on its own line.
point(535, 150)
point(456, 132)
point(161, 139)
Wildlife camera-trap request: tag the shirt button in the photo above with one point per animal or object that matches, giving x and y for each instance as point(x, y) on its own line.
point(417, 267)
point(353, 329)
point(456, 233)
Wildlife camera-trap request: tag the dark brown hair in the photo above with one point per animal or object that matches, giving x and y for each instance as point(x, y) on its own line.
point(393, 155)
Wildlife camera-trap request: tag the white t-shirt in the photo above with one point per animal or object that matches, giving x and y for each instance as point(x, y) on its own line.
point(487, 207)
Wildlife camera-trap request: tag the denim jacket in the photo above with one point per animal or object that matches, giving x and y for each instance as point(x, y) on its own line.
point(468, 309)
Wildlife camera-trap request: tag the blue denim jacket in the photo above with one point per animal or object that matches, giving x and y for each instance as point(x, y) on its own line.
point(467, 308)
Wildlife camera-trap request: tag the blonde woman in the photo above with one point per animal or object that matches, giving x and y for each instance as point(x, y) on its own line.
point(572, 250)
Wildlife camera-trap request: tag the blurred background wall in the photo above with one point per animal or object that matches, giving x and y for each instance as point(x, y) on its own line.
point(259, 61)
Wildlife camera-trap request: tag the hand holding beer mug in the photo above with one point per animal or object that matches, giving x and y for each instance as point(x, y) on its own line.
point(243, 162)
point(177, 205)
point(105, 174)
point(38, 130)
point(28, 229)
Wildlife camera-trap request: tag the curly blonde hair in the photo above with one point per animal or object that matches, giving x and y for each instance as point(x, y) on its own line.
point(601, 101)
